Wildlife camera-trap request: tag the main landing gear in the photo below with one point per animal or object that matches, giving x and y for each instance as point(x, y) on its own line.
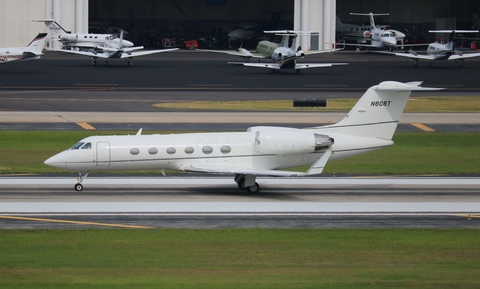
point(81, 176)
point(247, 182)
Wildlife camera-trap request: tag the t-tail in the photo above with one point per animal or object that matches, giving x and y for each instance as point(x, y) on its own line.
point(37, 44)
point(55, 29)
point(371, 15)
point(378, 112)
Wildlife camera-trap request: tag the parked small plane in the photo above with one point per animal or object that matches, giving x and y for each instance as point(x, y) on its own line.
point(357, 32)
point(283, 55)
point(106, 46)
point(440, 51)
point(378, 37)
point(260, 151)
point(239, 34)
point(32, 51)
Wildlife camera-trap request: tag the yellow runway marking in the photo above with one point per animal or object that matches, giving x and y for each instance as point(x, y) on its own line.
point(422, 127)
point(468, 216)
point(75, 222)
point(86, 126)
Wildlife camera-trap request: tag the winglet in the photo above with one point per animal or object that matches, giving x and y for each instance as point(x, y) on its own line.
point(139, 131)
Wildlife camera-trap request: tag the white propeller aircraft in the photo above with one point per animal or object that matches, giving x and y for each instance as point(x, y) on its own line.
point(282, 55)
point(379, 37)
point(106, 46)
point(32, 51)
point(440, 51)
point(260, 151)
point(358, 33)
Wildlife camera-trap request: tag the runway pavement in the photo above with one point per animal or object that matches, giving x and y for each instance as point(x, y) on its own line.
point(210, 202)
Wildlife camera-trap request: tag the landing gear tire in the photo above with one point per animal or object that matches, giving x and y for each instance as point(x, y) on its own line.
point(78, 187)
point(241, 184)
point(415, 64)
point(94, 62)
point(129, 62)
point(253, 189)
point(106, 62)
point(298, 71)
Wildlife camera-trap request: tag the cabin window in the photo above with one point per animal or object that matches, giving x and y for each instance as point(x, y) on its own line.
point(77, 146)
point(189, 150)
point(87, 146)
point(85, 36)
point(225, 149)
point(152, 151)
point(207, 150)
point(134, 151)
point(171, 151)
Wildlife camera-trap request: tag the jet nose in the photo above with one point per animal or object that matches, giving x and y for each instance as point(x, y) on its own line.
point(56, 161)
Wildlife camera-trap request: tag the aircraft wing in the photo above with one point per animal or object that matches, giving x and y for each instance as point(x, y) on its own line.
point(85, 53)
point(465, 55)
point(415, 56)
point(146, 52)
point(240, 53)
point(260, 65)
point(316, 65)
point(225, 170)
point(409, 55)
point(321, 51)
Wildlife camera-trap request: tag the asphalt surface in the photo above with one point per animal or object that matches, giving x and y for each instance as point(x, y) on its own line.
point(61, 82)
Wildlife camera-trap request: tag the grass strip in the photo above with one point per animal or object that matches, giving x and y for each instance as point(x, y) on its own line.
point(240, 258)
point(23, 152)
point(415, 104)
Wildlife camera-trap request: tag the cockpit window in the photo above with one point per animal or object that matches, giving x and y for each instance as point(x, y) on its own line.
point(77, 145)
point(87, 146)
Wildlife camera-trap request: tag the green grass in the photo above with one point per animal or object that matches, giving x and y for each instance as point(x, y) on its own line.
point(415, 104)
point(240, 258)
point(23, 152)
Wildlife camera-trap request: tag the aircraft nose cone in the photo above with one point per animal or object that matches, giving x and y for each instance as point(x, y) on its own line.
point(127, 43)
point(56, 161)
point(391, 41)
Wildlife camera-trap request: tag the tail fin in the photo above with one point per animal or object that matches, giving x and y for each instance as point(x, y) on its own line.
point(55, 29)
point(372, 21)
point(38, 43)
point(339, 23)
point(377, 113)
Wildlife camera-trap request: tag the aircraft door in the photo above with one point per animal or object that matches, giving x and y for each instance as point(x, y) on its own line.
point(103, 154)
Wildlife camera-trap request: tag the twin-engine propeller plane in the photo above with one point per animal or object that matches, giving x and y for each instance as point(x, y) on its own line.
point(440, 51)
point(106, 46)
point(379, 37)
point(283, 55)
point(32, 51)
point(260, 151)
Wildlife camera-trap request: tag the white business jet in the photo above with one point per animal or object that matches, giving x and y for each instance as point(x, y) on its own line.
point(32, 51)
point(440, 51)
point(260, 151)
point(283, 55)
point(106, 46)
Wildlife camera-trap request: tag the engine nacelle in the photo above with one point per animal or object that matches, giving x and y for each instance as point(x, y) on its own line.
point(290, 141)
point(69, 37)
point(300, 53)
point(367, 34)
